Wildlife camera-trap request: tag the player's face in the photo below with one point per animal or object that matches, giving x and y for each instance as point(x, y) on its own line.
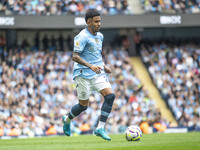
point(95, 23)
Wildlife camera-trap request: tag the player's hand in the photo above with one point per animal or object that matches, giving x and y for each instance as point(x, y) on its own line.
point(107, 69)
point(96, 69)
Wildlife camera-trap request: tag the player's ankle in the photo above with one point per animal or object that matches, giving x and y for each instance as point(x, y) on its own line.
point(67, 120)
point(101, 125)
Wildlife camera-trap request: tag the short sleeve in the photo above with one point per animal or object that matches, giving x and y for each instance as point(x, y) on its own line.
point(102, 37)
point(79, 43)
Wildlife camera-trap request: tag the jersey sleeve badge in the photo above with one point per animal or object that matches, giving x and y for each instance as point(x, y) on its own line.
point(77, 43)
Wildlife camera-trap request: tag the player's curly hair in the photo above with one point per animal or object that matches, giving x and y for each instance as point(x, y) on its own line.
point(91, 13)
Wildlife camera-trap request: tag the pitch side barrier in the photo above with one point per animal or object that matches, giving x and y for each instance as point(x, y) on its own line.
point(118, 21)
point(28, 136)
point(168, 130)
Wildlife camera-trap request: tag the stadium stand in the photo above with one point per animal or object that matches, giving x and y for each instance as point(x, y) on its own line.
point(175, 70)
point(171, 6)
point(63, 7)
point(36, 89)
point(154, 94)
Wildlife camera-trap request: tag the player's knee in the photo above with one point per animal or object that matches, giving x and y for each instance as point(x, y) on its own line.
point(110, 98)
point(84, 102)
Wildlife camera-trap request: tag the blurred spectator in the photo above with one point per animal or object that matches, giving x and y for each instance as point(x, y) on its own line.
point(53, 42)
point(61, 42)
point(175, 69)
point(69, 43)
point(37, 88)
point(45, 42)
point(122, 126)
point(157, 126)
point(2, 42)
point(171, 6)
point(85, 128)
point(37, 41)
point(126, 43)
point(144, 126)
point(137, 38)
point(2, 45)
point(1, 131)
point(51, 130)
point(63, 7)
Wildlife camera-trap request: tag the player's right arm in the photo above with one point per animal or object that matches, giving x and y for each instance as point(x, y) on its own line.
point(79, 44)
point(78, 59)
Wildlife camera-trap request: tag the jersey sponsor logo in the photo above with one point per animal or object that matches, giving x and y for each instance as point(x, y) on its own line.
point(91, 48)
point(97, 41)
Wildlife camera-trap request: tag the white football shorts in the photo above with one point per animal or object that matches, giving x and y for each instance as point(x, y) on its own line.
point(86, 86)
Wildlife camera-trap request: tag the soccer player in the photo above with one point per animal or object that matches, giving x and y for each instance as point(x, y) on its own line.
point(89, 73)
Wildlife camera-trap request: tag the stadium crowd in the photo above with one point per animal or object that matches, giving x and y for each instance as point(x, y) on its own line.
point(175, 69)
point(171, 6)
point(36, 89)
point(63, 7)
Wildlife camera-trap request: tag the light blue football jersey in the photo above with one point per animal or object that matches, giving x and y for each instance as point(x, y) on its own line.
point(89, 47)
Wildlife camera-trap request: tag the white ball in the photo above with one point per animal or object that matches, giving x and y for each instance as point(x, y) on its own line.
point(133, 133)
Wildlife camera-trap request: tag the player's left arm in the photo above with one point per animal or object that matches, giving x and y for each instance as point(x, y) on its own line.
point(107, 69)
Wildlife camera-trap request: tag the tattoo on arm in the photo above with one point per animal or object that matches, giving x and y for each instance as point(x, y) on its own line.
point(78, 59)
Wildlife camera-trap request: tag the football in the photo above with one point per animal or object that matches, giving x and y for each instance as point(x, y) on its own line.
point(133, 133)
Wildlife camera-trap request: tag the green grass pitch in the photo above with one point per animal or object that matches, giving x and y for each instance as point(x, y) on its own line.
point(177, 141)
